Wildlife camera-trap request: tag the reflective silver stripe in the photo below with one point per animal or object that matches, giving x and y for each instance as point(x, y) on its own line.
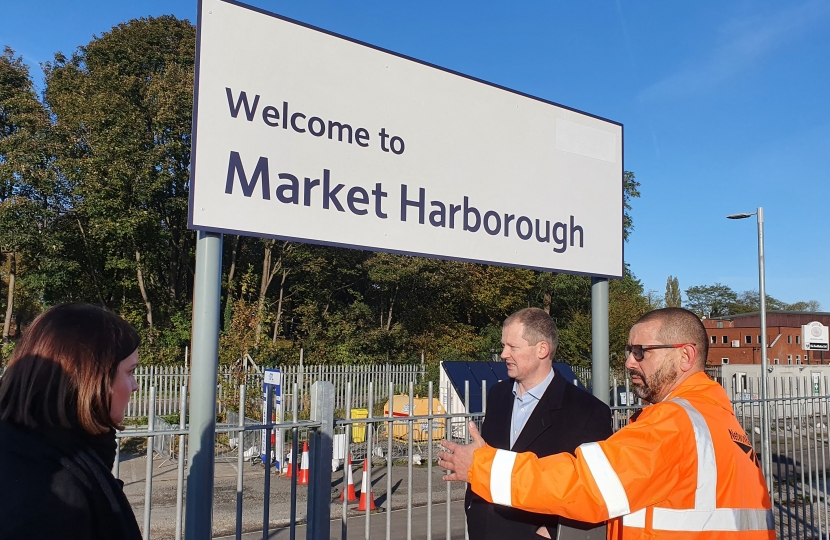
point(501, 477)
point(610, 487)
point(636, 520)
point(707, 469)
point(721, 519)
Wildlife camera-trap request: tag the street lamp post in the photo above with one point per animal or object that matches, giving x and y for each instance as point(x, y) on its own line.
point(766, 462)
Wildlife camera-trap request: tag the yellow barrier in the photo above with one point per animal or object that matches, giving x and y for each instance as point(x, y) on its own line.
point(420, 428)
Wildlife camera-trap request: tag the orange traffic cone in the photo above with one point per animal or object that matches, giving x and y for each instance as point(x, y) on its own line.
point(302, 476)
point(289, 470)
point(366, 489)
point(349, 489)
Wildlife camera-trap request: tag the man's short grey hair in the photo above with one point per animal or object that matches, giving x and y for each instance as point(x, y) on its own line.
point(538, 326)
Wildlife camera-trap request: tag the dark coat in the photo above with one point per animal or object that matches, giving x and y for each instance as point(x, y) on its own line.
point(564, 418)
point(56, 483)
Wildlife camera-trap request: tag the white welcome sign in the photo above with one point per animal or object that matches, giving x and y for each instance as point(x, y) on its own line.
point(304, 135)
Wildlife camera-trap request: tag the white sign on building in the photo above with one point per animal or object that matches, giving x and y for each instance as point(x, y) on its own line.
point(814, 337)
point(304, 135)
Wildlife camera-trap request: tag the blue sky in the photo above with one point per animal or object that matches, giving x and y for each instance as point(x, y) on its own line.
point(726, 106)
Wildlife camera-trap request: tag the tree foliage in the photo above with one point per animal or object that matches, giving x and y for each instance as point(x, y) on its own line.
point(31, 196)
point(630, 191)
point(710, 300)
point(122, 106)
point(672, 297)
point(626, 304)
point(719, 300)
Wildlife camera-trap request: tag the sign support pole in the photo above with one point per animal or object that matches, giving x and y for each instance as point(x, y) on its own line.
point(599, 339)
point(321, 443)
point(204, 364)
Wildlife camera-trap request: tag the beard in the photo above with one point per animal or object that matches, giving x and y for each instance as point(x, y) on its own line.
point(651, 388)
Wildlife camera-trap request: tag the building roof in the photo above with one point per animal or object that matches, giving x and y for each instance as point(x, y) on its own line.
point(757, 313)
point(776, 318)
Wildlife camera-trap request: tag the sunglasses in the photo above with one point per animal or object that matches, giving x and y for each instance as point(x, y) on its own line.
point(639, 351)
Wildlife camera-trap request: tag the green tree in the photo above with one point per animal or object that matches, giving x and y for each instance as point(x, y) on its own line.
point(626, 304)
point(809, 305)
point(672, 297)
point(655, 300)
point(630, 191)
point(711, 300)
point(276, 263)
point(718, 300)
point(30, 196)
point(123, 105)
point(749, 301)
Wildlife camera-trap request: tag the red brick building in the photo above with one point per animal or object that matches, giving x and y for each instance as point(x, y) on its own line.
point(736, 339)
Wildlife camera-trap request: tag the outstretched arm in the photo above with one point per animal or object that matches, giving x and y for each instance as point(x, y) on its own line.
point(631, 470)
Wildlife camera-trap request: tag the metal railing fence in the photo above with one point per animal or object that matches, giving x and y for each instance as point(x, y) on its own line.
point(585, 374)
point(168, 382)
point(400, 454)
point(383, 440)
point(800, 450)
point(404, 440)
point(245, 430)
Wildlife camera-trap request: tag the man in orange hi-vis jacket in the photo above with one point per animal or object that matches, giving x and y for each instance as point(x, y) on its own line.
point(684, 469)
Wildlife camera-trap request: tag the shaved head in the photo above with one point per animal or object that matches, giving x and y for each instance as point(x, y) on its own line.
point(678, 325)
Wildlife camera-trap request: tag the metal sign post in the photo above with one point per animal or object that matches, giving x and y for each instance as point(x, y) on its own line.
point(204, 366)
point(599, 339)
point(321, 446)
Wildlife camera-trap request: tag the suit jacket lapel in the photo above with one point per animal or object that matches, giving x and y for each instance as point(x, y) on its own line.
point(498, 421)
point(542, 417)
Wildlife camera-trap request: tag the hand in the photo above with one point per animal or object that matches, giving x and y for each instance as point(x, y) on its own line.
point(458, 458)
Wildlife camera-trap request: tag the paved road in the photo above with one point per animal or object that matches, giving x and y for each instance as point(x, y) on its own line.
point(163, 514)
point(356, 526)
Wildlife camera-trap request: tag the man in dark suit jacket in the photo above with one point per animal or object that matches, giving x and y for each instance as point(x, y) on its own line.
point(535, 410)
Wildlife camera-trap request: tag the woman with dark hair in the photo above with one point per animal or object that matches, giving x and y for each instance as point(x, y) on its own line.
point(62, 397)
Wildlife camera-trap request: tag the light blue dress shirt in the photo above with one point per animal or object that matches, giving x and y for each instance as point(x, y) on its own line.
point(523, 406)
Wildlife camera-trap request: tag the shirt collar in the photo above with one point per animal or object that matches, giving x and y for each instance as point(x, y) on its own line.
point(537, 391)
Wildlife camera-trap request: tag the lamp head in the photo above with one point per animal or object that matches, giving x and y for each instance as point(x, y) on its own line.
point(740, 216)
